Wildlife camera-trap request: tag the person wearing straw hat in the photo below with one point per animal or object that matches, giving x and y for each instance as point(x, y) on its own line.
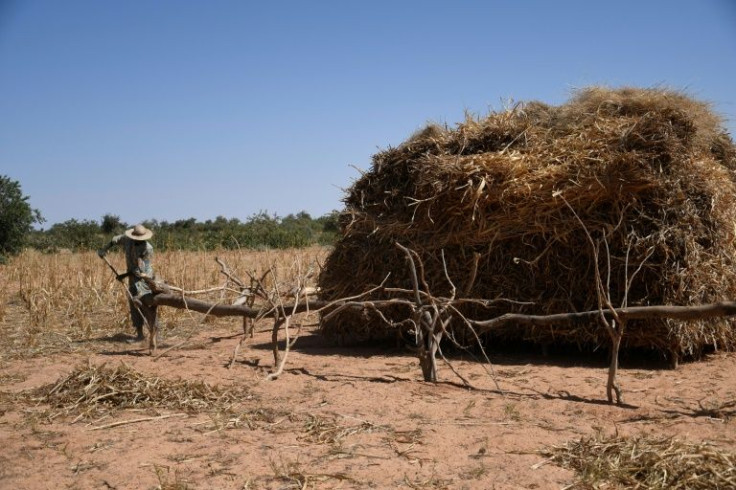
point(138, 259)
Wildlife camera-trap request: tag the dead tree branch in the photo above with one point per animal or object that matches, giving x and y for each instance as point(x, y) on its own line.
point(696, 312)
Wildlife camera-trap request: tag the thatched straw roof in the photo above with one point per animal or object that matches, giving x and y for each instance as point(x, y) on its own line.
point(650, 170)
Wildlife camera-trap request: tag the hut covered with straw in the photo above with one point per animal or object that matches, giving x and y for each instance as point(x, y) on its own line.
point(508, 198)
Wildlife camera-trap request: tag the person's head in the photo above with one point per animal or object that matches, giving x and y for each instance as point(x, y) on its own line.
point(139, 233)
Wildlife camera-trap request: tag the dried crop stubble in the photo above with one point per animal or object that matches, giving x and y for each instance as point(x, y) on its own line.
point(649, 172)
point(66, 302)
point(52, 300)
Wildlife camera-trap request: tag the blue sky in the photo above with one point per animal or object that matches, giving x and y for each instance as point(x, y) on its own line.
point(175, 109)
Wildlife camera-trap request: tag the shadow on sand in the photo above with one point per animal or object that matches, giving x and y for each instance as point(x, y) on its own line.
point(515, 354)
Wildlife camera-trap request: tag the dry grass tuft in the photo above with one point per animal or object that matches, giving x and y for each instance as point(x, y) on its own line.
point(648, 464)
point(167, 481)
point(89, 390)
point(8, 401)
point(328, 430)
point(293, 475)
point(265, 418)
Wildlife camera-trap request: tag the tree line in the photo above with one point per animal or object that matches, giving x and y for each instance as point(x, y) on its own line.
point(261, 230)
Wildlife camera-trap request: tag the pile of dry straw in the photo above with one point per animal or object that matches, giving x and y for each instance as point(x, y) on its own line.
point(650, 173)
point(645, 463)
point(90, 390)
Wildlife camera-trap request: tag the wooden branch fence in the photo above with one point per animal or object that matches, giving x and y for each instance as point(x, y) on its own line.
point(429, 318)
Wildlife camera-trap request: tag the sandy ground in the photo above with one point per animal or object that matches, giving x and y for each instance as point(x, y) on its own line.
point(358, 417)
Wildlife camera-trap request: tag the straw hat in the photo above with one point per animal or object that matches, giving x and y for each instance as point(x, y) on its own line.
point(139, 232)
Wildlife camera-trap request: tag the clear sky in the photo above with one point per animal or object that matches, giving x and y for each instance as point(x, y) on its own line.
point(171, 109)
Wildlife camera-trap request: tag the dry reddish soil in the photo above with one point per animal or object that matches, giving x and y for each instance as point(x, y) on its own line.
point(358, 417)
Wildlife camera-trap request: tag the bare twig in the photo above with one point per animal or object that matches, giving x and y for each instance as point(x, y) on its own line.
point(135, 421)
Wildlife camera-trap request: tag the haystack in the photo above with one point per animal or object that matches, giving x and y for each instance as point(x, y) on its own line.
point(649, 172)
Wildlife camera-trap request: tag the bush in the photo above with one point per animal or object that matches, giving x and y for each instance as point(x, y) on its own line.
point(16, 217)
point(76, 235)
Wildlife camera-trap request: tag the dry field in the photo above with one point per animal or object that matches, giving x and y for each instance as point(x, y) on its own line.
point(81, 408)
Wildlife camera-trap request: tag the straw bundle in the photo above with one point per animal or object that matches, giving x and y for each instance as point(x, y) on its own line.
point(649, 172)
